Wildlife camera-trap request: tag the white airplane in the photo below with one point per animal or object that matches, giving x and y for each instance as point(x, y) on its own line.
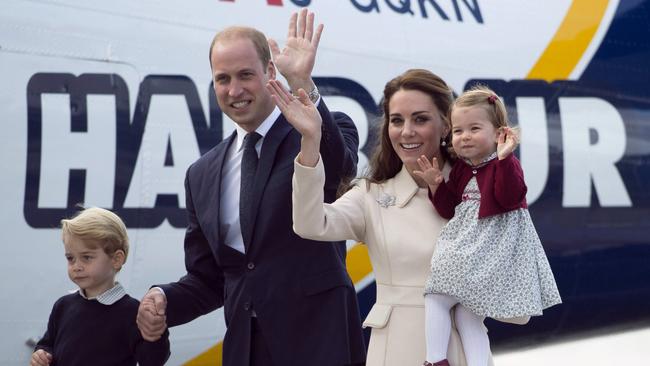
point(108, 102)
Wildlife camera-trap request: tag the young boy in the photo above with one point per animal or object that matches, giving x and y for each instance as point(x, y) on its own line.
point(96, 325)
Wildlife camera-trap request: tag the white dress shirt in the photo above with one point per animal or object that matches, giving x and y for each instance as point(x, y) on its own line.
point(229, 225)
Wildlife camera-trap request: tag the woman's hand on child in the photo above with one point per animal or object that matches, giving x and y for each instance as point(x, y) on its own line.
point(40, 358)
point(507, 142)
point(429, 172)
point(300, 112)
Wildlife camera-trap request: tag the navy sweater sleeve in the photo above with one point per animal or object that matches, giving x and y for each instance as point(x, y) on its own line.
point(46, 343)
point(151, 353)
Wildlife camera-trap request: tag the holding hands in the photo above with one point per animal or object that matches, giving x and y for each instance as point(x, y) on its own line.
point(430, 172)
point(507, 142)
point(151, 318)
point(40, 358)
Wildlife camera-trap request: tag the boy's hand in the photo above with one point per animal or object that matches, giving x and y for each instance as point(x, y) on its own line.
point(507, 142)
point(429, 172)
point(40, 358)
point(151, 318)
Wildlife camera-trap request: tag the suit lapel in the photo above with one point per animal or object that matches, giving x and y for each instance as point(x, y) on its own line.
point(213, 180)
point(270, 146)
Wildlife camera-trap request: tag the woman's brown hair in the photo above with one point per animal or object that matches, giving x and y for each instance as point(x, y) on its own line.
point(385, 163)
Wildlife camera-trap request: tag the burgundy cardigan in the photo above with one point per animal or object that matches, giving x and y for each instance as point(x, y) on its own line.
point(501, 183)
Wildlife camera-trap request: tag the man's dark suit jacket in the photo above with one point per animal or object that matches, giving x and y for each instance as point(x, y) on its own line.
point(303, 298)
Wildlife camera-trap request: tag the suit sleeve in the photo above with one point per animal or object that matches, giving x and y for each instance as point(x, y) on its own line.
point(446, 197)
point(200, 291)
point(339, 146)
point(312, 219)
point(509, 186)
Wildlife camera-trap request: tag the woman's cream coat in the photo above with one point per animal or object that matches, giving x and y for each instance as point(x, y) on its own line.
point(399, 225)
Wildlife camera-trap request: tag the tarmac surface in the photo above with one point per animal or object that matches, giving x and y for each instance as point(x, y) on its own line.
point(629, 348)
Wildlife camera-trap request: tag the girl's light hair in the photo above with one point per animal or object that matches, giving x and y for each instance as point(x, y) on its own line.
point(482, 96)
point(100, 226)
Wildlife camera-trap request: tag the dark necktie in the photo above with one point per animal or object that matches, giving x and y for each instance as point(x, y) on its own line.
point(248, 168)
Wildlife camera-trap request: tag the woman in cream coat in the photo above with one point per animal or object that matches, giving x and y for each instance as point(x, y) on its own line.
point(389, 210)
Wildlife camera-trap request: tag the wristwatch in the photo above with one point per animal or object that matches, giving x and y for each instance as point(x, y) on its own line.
point(313, 95)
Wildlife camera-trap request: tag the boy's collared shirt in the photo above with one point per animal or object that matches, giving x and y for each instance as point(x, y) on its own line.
point(108, 297)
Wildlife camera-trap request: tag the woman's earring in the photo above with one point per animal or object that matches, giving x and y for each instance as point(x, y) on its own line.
point(443, 143)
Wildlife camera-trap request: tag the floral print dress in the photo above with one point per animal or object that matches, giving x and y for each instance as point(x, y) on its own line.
point(494, 266)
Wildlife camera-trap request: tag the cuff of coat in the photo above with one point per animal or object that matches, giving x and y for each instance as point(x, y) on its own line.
point(307, 174)
point(307, 169)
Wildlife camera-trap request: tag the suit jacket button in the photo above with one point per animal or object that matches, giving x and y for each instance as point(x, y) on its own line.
point(247, 306)
point(474, 171)
point(250, 265)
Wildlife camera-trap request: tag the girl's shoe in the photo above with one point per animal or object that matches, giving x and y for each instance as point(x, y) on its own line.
point(439, 363)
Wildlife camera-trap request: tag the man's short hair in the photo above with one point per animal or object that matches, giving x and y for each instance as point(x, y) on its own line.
point(237, 32)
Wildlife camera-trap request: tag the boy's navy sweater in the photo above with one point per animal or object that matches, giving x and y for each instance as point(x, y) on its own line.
point(86, 332)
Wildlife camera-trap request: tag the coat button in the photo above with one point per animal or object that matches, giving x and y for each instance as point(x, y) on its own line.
point(474, 171)
point(250, 265)
point(247, 306)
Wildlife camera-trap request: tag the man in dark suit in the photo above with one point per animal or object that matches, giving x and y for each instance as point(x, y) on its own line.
point(287, 300)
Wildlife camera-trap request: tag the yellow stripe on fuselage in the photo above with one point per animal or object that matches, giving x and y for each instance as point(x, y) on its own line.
point(358, 263)
point(570, 41)
point(211, 357)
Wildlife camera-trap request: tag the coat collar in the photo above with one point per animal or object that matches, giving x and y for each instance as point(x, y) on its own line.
point(404, 187)
point(211, 183)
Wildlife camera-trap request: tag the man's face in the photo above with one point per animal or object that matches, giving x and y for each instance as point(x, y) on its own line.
point(240, 82)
